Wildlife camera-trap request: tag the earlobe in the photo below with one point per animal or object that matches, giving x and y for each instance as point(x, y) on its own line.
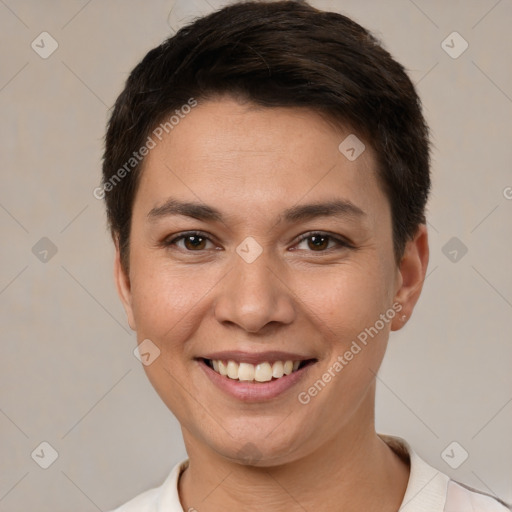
point(412, 270)
point(123, 285)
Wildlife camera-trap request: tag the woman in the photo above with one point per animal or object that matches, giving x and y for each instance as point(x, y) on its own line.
point(265, 174)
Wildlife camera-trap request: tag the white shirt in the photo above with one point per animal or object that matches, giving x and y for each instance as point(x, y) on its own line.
point(428, 490)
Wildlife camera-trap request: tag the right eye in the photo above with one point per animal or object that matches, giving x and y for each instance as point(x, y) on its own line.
point(194, 241)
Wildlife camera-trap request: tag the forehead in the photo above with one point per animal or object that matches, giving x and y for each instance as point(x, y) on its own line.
point(249, 159)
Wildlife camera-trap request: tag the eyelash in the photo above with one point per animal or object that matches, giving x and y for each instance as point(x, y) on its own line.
point(340, 241)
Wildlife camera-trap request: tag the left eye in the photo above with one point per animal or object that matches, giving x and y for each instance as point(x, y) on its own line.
point(318, 242)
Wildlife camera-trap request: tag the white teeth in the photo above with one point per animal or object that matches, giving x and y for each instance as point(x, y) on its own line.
point(222, 368)
point(277, 370)
point(246, 371)
point(232, 370)
point(262, 372)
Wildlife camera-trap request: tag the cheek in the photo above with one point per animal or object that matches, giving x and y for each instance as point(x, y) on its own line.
point(347, 312)
point(346, 300)
point(166, 304)
point(159, 302)
point(167, 301)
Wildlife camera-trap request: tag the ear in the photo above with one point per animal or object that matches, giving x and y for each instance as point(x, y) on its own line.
point(412, 270)
point(123, 285)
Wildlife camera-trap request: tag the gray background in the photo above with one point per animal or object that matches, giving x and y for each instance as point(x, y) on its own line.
point(68, 374)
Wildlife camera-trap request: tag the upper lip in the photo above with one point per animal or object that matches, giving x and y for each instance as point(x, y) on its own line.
point(255, 357)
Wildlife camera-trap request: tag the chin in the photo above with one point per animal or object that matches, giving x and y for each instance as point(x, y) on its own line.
point(262, 450)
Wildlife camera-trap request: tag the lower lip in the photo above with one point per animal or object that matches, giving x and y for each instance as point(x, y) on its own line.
point(254, 391)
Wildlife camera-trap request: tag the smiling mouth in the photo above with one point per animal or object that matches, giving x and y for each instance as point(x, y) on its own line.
point(253, 373)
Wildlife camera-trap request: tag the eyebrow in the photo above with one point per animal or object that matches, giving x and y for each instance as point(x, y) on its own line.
point(335, 208)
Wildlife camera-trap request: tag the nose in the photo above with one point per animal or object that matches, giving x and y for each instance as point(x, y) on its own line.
point(253, 295)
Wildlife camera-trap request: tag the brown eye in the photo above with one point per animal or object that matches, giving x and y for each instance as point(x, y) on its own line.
point(319, 242)
point(192, 242)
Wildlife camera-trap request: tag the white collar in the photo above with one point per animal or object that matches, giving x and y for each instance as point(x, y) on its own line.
point(427, 489)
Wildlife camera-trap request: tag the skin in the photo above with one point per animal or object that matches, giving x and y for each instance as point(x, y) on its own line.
point(252, 163)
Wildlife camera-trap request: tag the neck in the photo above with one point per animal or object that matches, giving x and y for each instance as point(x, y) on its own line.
point(354, 470)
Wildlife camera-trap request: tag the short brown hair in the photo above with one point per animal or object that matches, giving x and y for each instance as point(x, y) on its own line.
point(277, 54)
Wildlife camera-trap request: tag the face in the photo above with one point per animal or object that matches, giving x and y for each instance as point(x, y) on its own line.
point(255, 240)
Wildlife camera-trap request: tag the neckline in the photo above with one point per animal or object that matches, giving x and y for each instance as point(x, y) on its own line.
point(426, 488)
